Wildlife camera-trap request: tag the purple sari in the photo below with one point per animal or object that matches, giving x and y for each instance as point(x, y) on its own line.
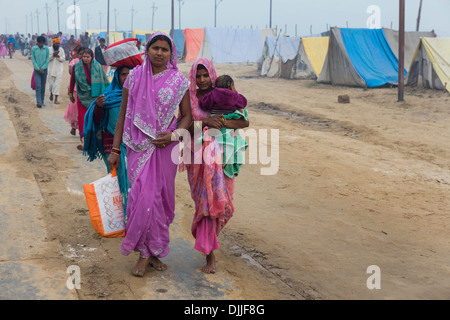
point(152, 103)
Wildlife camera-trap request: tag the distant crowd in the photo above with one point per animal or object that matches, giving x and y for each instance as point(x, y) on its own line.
point(9, 44)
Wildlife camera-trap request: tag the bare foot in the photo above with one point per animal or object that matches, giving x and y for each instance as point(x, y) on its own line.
point(157, 264)
point(139, 268)
point(51, 96)
point(210, 266)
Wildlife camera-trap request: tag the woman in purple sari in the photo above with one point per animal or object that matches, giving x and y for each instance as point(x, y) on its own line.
point(151, 95)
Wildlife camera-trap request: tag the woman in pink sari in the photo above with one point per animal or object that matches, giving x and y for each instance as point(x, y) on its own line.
point(71, 114)
point(211, 190)
point(151, 95)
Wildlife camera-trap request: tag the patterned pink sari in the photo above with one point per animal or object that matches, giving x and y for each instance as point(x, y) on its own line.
point(211, 190)
point(152, 104)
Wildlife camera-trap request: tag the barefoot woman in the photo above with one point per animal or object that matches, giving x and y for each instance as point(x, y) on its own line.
point(151, 95)
point(211, 190)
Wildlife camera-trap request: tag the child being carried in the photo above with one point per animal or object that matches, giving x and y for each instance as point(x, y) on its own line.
point(226, 101)
point(223, 99)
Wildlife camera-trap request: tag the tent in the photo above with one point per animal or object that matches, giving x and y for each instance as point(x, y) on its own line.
point(359, 57)
point(226, 45)
point(278, 54)
point(193, 39)
point(412, 40)
point(431, 64)
point(294, 57)
point(310, 58)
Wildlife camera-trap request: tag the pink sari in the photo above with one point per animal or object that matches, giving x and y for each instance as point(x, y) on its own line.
point(152, 104)
point(71, 114)
point(211, 190)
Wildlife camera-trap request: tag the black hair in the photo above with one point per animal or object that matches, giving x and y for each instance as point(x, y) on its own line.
point(80, 50)
point(224, 82)
point(89, 51)
point(102, 40)
point(40, 39)
point(161, 37)
point(201, 67)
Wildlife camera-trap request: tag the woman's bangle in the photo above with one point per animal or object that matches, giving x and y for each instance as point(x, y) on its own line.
point(115, 153)
point(70, 94)
point(117, 150)
point(175, 136)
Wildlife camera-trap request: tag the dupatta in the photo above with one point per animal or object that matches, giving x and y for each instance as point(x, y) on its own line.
point(99, 81)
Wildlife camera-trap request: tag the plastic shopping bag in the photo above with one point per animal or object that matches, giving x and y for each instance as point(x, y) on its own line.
point(105, 206)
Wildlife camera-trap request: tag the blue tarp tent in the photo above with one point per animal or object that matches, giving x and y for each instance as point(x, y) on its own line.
point(232, 45)
point(359, 57)
point(371, 56)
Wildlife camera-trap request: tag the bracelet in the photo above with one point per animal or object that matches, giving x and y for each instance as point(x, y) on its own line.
point(175, 136)
point(71, 95)
point(115, 153)
point(118, 150)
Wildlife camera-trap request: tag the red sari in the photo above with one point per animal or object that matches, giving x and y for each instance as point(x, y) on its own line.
point(81, 108)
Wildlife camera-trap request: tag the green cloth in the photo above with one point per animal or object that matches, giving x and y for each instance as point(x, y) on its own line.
point(40, 57)
point(233, 147)
point(99, 82)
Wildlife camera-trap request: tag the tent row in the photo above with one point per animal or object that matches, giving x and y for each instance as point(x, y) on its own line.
point(351, 57)
point(360, 58)
point(342, 56)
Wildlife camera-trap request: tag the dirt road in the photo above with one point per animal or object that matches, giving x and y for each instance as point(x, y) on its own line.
point(358, 185)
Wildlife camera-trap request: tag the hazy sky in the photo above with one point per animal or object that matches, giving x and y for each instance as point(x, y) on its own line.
point(302, 16)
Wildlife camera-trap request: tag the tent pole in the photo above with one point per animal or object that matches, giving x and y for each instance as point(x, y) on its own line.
point(418, 16)
point(401, 52)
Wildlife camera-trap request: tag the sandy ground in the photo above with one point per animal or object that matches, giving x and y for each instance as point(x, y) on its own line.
point(357, 185)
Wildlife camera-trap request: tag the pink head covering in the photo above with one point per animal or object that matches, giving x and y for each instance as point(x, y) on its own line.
point(143, 121)
point(197, 112)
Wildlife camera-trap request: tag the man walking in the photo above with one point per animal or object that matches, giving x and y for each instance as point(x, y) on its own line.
point(40, 57)
point(55, 69)
point(99, 54)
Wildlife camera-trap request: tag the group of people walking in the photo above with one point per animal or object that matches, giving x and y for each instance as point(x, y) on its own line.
point(88, 77)
point(135, 124)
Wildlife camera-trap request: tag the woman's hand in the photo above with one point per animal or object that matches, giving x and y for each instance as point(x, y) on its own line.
point(100, 102)
point(113, 161)
point(215, 122)
point(72, 98)
point(164, 140)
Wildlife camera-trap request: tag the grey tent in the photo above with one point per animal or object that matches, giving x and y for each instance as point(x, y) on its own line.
point(412, 40)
